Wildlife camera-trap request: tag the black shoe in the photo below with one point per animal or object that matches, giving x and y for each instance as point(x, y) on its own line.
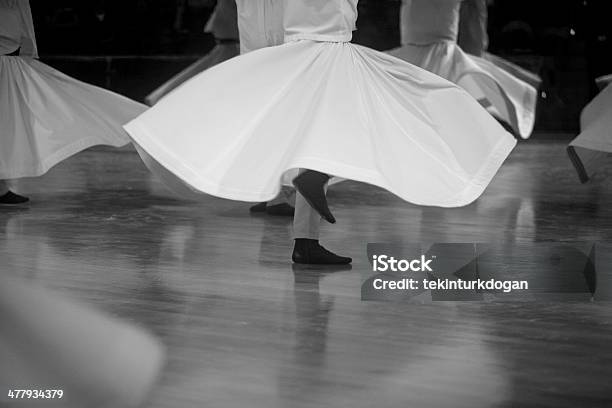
point(282, 209)
point(11, 198)
point(258, 208)
point(311, 184)
point(309, 251)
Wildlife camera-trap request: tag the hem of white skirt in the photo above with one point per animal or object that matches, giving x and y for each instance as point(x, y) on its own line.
point(471, 192)
point(603, 147)
point(48, 162)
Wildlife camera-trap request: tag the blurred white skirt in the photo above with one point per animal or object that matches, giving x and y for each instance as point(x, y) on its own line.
point(220, 53)
point(594, 144)
point(238, 129)
point(507, 93)
point(46, 116)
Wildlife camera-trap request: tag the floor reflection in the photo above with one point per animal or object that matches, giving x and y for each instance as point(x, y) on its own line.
point(244, 327)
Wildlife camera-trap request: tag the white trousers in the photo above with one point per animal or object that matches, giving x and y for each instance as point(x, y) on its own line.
point(306, 221)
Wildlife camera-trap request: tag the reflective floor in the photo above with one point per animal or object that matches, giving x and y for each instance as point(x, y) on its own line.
point(244, 327)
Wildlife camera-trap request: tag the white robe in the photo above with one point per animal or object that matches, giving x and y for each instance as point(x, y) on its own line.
point(430, 29)
point(319, 102)
point(47, 116)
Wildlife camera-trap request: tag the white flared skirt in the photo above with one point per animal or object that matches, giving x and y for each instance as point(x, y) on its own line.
point(46, 116)
point(236, 130)
point(594, 143)
point(220, 53)
point(506, 95)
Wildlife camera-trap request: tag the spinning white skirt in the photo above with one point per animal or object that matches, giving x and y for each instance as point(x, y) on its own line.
point(220, 53)
point(594, 144)
point(510, 98)
point(237, 129)
point(47, 116)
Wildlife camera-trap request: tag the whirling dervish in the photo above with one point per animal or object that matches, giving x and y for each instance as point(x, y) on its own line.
point(47, 116)
point(430, 30)
point(333, 108)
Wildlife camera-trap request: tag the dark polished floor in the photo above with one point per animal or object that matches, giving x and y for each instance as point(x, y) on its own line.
point(245, 328)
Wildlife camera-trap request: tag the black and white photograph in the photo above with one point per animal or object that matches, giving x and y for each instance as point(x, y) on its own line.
point(306, 203)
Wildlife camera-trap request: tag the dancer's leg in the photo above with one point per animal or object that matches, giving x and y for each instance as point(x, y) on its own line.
point(306, 228)
point(307, 222)
point(312, 185)
point(282, 205)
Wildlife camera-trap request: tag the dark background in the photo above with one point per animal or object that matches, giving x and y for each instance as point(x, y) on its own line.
point(568, 42)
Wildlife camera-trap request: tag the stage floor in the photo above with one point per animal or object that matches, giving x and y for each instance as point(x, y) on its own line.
point(244, 327)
